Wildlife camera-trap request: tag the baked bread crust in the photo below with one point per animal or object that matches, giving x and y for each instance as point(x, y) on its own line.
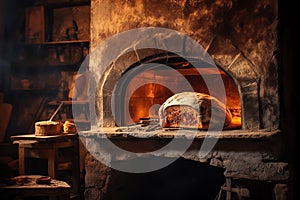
point(44, 128)
point(193, 110)
point(69, 127)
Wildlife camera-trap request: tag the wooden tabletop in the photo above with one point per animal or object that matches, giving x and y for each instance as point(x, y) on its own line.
point(29, 188)
point(43, 138)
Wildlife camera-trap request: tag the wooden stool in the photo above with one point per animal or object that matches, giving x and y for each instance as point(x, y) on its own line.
point(51, 148)
point(55, 190)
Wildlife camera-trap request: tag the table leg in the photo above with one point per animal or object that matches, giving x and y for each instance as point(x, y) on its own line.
point(75, 168)
point(21, 160)
point(52, 165)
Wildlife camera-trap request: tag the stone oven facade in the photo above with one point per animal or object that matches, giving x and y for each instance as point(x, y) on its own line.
point(241, 38)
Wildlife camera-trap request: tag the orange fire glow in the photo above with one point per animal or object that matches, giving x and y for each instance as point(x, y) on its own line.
point(144, 97)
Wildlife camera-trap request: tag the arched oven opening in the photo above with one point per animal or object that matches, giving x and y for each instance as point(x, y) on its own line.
point(146, 85)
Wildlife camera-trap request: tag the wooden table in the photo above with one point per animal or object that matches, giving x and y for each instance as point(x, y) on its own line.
point(51, 148)
point(55, 190)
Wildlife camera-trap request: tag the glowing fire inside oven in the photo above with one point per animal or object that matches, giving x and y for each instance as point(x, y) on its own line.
point(145, 100)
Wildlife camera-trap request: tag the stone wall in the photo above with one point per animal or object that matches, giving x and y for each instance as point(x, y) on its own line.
point(241, 37)
point(255, 158)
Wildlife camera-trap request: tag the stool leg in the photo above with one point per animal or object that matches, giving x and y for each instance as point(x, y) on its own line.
point(21, 151)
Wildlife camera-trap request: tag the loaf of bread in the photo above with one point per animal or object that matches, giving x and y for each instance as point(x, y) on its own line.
point(193, 110)
point(44, 128)
point(69, 127)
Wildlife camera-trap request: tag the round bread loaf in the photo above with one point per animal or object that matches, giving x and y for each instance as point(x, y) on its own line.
point(44, 128)
point(193, 110)
point(69, 127)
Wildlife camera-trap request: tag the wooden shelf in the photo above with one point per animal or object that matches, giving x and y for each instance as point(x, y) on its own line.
point(56, 103)
point(20, 90)
point(57, 3)
point(36, 68)
point(60, 42)
point(67, 4)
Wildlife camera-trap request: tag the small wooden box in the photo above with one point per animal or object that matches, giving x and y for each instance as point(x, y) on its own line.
point(35, 24)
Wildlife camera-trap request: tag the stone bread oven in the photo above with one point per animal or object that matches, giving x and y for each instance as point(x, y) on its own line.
point(241, 38)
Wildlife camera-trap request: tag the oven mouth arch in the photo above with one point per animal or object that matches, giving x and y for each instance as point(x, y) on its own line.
point(109, 86)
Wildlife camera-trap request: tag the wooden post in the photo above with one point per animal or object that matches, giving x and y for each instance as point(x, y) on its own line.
point(21, 160)
point(75, 167)
point(228, 185)
point(52, 162)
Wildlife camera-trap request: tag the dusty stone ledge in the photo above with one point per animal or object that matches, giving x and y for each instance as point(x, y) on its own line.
point(179, 134)
point(244, 154)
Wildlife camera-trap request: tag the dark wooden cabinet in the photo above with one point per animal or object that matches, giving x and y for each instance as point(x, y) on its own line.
point(56, 42)
point(49, 56)
point(56, 34)
point(56, 21)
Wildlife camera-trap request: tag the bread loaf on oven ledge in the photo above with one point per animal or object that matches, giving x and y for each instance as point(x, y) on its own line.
point(193, 110)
